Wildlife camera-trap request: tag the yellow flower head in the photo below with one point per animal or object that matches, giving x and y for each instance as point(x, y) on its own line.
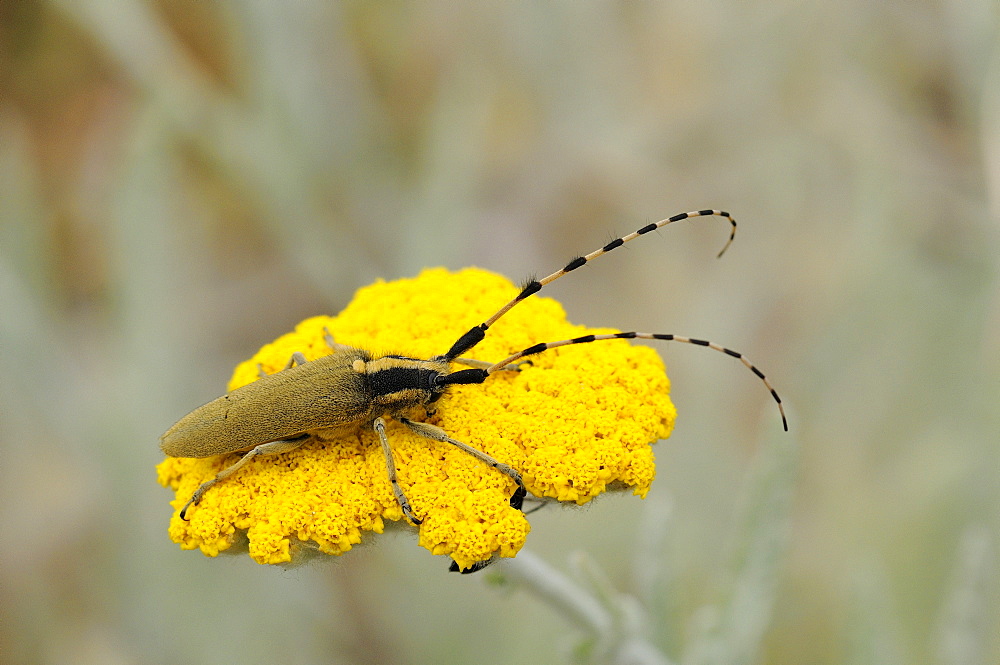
point(576, 422)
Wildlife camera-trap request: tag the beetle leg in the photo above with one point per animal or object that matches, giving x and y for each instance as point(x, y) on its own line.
point(482, 364)
point(334, 346)
point(296, 359)
point(474, 568)
point(436, 433)
point(272, 448)
point(390, 464)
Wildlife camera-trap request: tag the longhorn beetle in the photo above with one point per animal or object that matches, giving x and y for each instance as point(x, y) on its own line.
point(278, 412)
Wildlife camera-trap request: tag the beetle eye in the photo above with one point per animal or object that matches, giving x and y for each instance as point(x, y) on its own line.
point(435, 381)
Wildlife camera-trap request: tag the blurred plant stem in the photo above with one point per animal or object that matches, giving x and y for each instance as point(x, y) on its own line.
point(963, 622)
point(620, 629)
point(613, 621)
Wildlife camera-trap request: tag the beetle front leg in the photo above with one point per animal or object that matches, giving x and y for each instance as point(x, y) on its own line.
point(271, 448)
point(390, 464)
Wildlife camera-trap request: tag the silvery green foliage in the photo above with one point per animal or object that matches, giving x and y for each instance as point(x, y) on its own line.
point(620, 628)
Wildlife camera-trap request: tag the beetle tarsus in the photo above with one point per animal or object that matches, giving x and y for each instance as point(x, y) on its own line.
point(474, 568)
point(517, 498)
point(193, 501)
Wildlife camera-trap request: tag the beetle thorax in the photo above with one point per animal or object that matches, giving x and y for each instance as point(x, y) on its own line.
point(398, 383)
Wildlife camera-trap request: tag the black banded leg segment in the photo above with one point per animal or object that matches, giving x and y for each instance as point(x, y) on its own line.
point(476, 335)
point(272, 448)
point(538, 348)
point(390, 463)
point(437, 434)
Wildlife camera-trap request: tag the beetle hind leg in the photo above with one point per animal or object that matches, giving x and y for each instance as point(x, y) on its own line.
point(271, 448)
point(333, 344)
point(474, 568)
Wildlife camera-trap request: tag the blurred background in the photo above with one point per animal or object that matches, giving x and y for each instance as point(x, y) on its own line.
point(182, 181)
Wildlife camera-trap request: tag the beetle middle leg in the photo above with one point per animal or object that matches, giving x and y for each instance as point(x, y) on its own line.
point(437, 434)
point(297, 359)
point(272, 448)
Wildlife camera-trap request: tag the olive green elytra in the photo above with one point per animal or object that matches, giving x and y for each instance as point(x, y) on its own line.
point(325, 393)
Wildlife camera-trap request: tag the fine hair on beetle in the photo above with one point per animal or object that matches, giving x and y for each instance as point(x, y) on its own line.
point(350, 387)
